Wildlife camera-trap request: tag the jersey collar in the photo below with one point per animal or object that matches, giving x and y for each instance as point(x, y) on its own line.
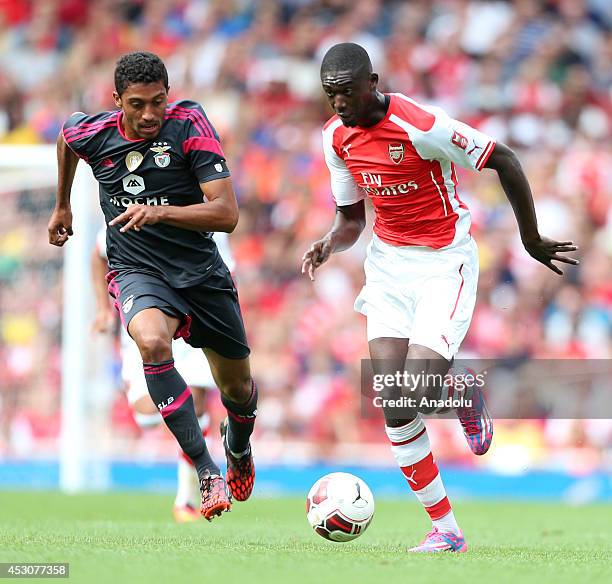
point(120, 128)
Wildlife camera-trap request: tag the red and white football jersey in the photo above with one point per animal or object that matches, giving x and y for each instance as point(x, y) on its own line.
point(406, 165)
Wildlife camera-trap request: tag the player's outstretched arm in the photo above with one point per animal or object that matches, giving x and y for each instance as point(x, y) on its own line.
point(516, 187)
point(220, 213)
point(60, 224)
point(348, 225)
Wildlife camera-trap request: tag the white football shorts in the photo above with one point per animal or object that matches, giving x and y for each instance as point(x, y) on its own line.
point(419, 293)
point(191, 363)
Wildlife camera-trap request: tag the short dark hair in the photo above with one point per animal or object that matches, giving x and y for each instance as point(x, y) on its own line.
point(139, 67)
point(345, 56)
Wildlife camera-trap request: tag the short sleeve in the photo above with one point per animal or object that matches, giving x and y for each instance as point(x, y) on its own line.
point(343, 186)
point(452, 140)
point(201, 145)
point(80, 131)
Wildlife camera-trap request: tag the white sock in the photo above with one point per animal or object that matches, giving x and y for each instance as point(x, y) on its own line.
point(204, 421)
point(447, 523)
point(188, 488)
point(147, 420)
point(184, 470)
point(412, 450)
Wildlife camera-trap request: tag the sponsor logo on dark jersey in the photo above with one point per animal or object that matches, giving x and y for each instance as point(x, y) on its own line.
point(133, 184)
point(126, 201)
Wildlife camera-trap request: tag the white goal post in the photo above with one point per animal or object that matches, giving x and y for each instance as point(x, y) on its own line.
point(34, 167)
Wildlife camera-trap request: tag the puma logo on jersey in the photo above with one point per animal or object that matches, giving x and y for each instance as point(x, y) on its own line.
point(476, 147)
point(346, 149)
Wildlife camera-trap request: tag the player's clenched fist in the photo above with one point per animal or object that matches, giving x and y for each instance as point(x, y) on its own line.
point(60, 226)
point(318, 254)
point(137, 216)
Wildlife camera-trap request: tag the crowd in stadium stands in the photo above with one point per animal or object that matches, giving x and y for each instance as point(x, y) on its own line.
point(534, 74)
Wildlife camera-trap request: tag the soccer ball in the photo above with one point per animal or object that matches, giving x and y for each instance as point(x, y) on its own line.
point(339, 506)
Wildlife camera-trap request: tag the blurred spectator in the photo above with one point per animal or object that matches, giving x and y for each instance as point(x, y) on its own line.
point(535, 74)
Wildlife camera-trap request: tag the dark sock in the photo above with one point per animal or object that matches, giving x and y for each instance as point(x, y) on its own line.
point(174, 401)
point(241, 420)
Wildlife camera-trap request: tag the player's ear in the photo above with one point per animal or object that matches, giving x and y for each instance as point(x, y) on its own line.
point(373, 81)
point(117, 99)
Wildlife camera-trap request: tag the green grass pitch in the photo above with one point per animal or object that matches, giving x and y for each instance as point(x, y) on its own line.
point(117, 538)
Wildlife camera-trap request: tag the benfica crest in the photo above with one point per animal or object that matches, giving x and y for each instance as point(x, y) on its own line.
point(396, 152)
point(161, 158)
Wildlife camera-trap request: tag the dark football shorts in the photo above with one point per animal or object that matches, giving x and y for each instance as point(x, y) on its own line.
point(209, 312)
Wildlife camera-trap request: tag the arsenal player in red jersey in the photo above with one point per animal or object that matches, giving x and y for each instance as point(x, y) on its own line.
point(422, 264)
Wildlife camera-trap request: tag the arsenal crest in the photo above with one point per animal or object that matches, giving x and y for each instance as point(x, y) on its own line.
point(396, 152)
point(161, 158)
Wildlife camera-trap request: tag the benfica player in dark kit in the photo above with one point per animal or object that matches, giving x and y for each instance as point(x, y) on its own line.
point(164, 187)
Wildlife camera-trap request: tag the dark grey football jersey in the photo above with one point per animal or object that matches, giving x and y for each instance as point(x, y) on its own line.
point(165, 171)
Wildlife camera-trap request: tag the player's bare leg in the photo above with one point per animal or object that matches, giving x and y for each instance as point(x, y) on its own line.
point(410, 443)
point(239, 396)
point(153, 330)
